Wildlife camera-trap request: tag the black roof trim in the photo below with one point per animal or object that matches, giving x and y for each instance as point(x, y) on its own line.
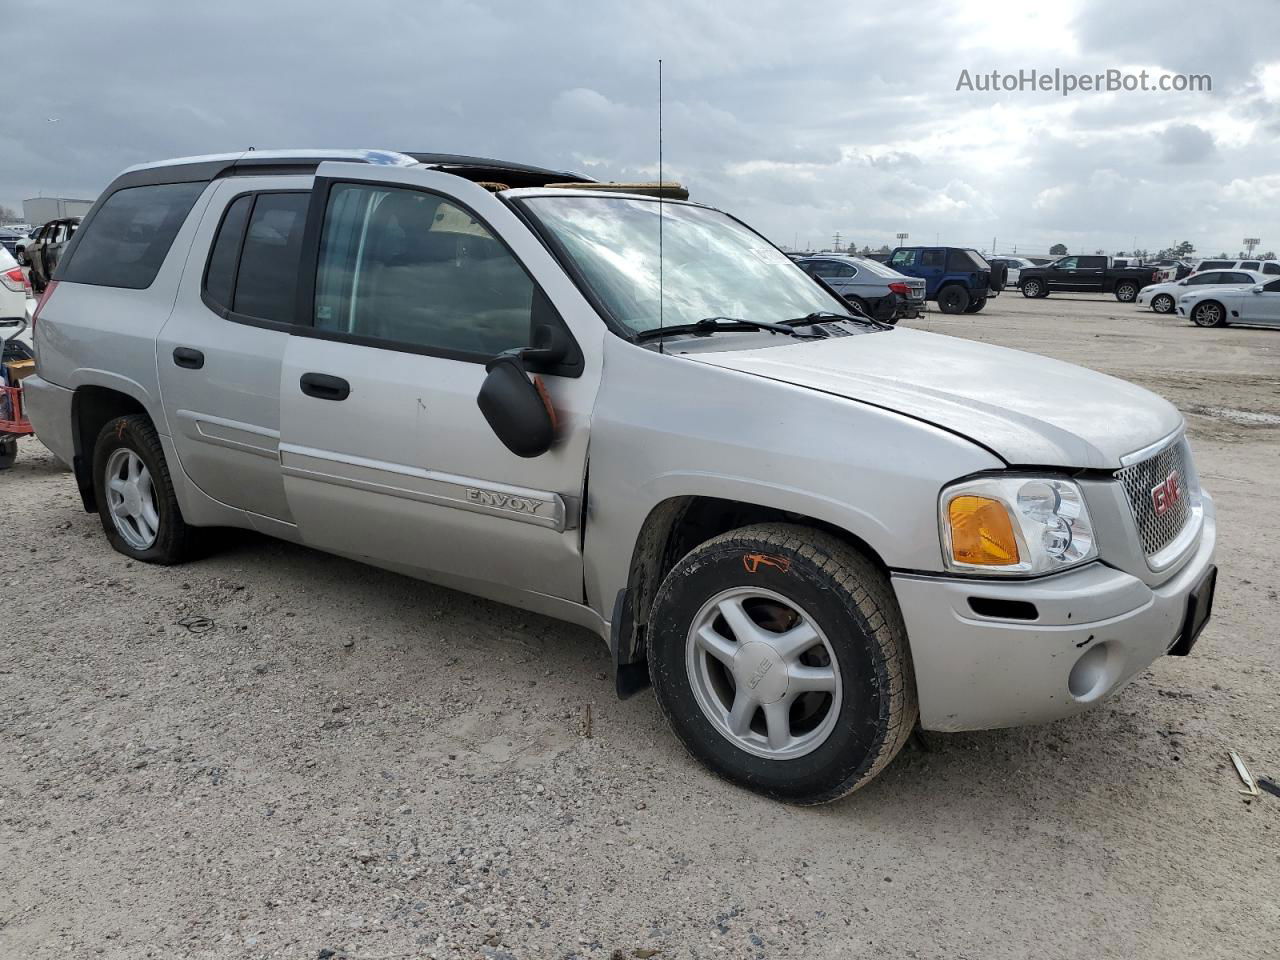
point(481, 167)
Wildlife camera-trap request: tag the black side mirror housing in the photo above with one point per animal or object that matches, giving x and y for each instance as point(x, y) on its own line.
point(514, 406)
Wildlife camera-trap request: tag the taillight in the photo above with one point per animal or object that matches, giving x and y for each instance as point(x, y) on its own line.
point(899, 287)
point(44, 298)
point(15, 280)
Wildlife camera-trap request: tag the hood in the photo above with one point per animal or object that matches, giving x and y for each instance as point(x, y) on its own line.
point(1026, 408)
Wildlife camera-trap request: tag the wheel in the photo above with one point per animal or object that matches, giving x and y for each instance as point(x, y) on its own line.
point(999, 277)
point(1034, 288)
point(8, 453)
point(953, 299)
point(860, 305)
point(1209, 313)
point(1162, 303)
point(136, 501)
point(976, 306)
point(20, 254)
point(779, 657)
point(1127, 291)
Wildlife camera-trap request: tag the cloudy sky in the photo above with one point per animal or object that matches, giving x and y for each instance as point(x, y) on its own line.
point(804, 119)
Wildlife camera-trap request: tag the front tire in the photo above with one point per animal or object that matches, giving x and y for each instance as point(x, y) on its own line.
point(1032, 289)
point(1209, 313)
point(779, 657)
point(953, 299)
point(1162, 303)
point(1126, 292)
point(976, 306)
point(136, 500)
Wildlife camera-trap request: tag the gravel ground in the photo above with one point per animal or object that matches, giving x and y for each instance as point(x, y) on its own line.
point(275, 753)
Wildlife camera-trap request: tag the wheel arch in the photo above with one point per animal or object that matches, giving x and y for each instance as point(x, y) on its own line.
point(672, 528)
point(93, 406)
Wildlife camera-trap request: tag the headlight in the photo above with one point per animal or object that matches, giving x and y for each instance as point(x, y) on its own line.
point(1015, 525)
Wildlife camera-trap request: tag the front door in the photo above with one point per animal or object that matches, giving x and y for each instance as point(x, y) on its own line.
point(219, 355)
point(420, 278)
point(1262, 308)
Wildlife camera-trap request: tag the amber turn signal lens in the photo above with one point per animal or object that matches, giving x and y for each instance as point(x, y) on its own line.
point(981, 532)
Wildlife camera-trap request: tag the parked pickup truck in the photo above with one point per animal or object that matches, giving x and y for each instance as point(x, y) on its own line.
point(1087, 274)
point(959, 279)
point(806, 528)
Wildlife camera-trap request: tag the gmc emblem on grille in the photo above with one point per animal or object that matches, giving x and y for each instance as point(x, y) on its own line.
point(1166, 493)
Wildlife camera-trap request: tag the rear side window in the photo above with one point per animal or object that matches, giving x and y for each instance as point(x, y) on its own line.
point(1237, 278)
point(932, 258)
point(1249, 265)
point(1216, 264)
point(253, 266)
point(129, 236)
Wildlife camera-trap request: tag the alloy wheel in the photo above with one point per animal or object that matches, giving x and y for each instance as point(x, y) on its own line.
point(131, 498)
point(763, 673)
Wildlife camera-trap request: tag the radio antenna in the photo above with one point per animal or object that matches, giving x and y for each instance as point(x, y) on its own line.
point(661, 296)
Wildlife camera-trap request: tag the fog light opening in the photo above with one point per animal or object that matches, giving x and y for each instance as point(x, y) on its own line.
point(1091, 676)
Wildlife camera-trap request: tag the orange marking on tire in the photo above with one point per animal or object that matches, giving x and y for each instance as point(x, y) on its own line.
point(754, 561)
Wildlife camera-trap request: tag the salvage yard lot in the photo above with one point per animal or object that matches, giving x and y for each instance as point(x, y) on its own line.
point(274, 753)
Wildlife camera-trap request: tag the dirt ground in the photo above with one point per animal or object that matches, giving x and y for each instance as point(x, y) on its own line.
point(275, 753)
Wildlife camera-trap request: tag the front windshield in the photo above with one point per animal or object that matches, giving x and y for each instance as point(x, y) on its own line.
point(712, 266)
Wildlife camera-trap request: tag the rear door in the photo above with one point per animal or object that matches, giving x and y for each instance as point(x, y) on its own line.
point(221, 351)
point(1090, 274)
point(412, 280)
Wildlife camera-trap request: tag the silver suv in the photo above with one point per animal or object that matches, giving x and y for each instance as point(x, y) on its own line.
point(807, 529)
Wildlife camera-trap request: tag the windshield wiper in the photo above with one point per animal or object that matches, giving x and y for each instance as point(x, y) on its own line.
point(710, 325)
point(826, 316)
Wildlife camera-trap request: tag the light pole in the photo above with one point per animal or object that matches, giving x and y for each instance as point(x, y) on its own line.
point(1249, 244)
point(901, 237)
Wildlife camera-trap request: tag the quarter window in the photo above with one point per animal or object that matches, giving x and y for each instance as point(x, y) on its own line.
point(1270, 266)
point(413, 269)
point(129, 236)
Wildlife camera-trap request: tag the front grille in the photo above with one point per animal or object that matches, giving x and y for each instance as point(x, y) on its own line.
point(1141, 481)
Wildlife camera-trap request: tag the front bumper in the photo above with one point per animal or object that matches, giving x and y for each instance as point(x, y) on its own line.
point(48, 407)
point(978, 672)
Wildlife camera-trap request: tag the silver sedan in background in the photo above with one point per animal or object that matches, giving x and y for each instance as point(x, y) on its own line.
point(878, 290)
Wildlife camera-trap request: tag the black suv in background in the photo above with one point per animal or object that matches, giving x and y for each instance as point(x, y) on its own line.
point(1086, 274)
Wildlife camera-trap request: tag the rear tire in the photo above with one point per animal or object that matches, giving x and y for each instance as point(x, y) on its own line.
point(823, 711)
point(953, 298)
point(136, 500)
point(1034, 289)
point(976, 306)
point(861, 305)
point(1162, 303)
point(1127, 292)
point(1209, 313)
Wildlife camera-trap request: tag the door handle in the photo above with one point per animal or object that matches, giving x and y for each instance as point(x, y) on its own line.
point(187, 357)
point(324, 387)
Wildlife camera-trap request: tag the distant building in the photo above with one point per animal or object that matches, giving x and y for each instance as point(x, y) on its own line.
point(38, 210)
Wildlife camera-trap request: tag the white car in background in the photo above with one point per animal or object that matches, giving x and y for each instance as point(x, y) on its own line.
point(1163, 297)
point(1219, 306)
point(1015, 266)
point(15, 290)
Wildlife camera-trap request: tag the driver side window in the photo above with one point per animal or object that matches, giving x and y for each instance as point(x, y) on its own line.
point(1067, 263)
point(412, 269)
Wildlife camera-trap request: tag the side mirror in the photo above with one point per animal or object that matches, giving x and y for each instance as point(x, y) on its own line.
point(517, 408)
point(1258, 289)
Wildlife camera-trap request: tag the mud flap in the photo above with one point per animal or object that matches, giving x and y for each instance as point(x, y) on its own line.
point(630, 675)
